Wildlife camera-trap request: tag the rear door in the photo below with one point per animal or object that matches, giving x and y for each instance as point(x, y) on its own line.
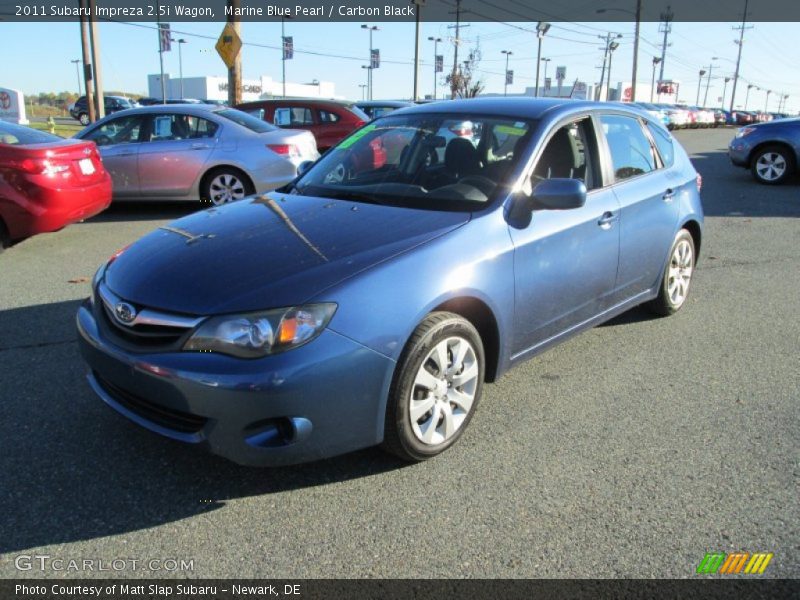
point(176, 149)
point(647, 193)
point(119, 141)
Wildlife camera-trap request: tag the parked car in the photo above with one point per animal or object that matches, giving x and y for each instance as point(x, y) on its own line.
point(360, 306)
point(720, 118)
point(658, 112)
point(770, 150)
point(80, 109)
point(678, 117)
point(744, 117)
point(377, 108)
point(47, 182)
point(191, 151)
point(329, 120)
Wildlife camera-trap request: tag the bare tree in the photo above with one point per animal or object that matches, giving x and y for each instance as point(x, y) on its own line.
point(465, 83)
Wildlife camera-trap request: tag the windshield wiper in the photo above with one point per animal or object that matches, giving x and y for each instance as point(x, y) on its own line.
point(345, 194)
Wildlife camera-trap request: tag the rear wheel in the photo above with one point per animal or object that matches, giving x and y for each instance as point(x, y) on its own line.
point(436, 389)
point(772, 165)
point(83, 118)
point(224, 185)
point(677, 276)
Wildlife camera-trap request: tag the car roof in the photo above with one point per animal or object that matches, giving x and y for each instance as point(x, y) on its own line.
point(517, 107)
point(378, 103)
point(176, 108)
point(290, 100)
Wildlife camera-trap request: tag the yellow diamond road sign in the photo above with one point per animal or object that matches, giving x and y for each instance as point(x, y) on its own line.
point(228, 45)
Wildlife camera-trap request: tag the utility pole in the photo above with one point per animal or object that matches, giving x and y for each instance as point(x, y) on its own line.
point(741, 29)
point(87, 60)
point(708, 80)
point(456, 42)
point(235, 72)
point(161, 53)
point(607, 42)
point(98, 71)
point(636, 49)
point(665, 28)
point(418, 4)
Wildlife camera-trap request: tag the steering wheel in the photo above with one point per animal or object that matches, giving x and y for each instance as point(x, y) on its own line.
point(103, 140)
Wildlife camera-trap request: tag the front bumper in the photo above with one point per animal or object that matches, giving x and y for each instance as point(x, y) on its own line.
point(739, 152)
point(322, 399)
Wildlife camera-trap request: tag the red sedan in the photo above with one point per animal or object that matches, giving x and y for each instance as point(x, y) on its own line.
point(47, 182)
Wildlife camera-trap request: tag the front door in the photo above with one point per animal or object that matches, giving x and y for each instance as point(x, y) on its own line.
point(118, 141)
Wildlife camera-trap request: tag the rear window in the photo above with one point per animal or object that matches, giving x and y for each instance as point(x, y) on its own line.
point(663, 142)
point(247, 121)
point(17, 134)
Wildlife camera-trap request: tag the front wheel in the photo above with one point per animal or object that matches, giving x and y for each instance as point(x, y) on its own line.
point(772, 165)
point(677, 276)
point(436, 388)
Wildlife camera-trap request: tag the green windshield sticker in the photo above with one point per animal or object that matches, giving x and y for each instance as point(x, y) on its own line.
point(510, 130)
point(356, 136)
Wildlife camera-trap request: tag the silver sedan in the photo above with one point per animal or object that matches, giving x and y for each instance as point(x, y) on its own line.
point(191, 151)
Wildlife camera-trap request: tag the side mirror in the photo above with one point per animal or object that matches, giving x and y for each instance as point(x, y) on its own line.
point(558, 194)
point(304, 166)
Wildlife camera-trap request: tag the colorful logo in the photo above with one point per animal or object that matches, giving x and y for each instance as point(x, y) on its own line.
point(735, 562)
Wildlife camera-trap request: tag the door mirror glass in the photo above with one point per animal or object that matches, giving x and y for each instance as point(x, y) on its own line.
point(558, 194)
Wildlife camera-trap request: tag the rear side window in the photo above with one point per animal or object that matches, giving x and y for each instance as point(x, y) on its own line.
point(242, 118)
point(631, 152)
point(328, 117)
point(293, 116)
point(663, 142)
point(18, 134)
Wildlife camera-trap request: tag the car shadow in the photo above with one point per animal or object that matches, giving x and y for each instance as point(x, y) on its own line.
point(637, 314)
point(730, 191)
point(146, 211)
point(75, 470)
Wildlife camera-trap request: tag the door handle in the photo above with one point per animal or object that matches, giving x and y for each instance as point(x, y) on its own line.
point(668, 195)
point(199, 146)
point(606, 220)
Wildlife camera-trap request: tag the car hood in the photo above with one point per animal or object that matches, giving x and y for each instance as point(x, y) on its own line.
point(268, 251)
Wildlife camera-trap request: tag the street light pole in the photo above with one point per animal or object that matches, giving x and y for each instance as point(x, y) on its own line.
point(611, 47)
point(699, 85)
point(544, 79)
point(181, 42)
point(370, 28)
point(507, 53)
point(656, 60)
point(76, 62)
point(724, 91)
point(435, 41)
point(766, 104)
point(541, 29)
point(363, 87)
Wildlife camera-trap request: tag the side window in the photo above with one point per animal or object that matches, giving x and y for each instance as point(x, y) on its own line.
point(293, 116)
point(570, 153)
point(124, 130)
point(327, 117)
point(258, 113)
point(176, 127)
point(631, 151)
point(664, 144)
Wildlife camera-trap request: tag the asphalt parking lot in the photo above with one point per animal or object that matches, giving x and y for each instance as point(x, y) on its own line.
point(629, 451)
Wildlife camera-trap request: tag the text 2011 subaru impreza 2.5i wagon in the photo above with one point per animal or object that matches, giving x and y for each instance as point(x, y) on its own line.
point(369, 301)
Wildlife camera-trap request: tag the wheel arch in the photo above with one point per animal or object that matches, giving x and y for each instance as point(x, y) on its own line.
point(694, 229)
point(782, 143)
point(209, 169)
point(482, 318)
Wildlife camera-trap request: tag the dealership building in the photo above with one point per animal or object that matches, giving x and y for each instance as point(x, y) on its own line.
point(216, 88)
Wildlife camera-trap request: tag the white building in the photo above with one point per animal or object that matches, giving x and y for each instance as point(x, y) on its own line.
point(216, 88)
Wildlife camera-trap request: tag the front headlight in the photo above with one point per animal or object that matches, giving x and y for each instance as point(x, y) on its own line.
point(744, 131)
point(254, 335)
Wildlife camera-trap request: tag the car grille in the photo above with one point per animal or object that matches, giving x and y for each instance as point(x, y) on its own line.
point(149, 330)
point(166, 417)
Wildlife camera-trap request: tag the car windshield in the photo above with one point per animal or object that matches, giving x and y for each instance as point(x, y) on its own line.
point(248, 121)
point(17, 134)
point(430, 161)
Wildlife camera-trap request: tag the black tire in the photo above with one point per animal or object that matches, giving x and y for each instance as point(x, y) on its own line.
point(246, 185)
point(775, 155)
point(5, 238)
point(666, 303)
point(83, 119)
point(399, 432)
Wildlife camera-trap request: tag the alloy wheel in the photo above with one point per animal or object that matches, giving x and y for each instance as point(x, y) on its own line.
point(771, 166)
point(680, 272)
